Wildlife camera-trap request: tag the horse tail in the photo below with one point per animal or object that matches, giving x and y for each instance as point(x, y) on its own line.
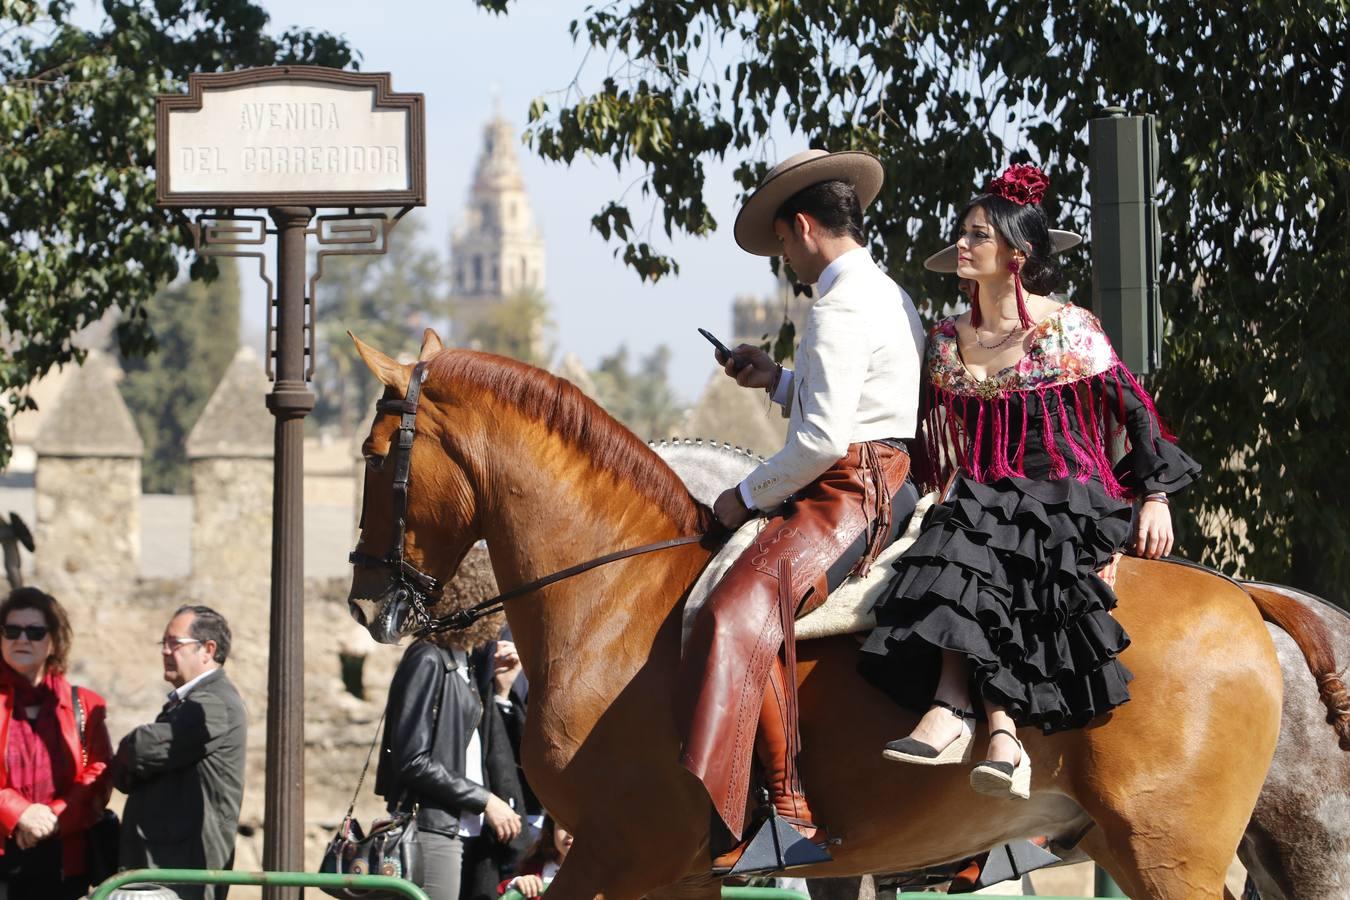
point(1310, 633)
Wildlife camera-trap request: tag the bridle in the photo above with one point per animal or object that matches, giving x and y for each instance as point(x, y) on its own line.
point(422, 590)
point(418, 587)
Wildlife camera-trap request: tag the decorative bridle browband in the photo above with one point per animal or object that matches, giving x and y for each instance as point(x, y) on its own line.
point(419, 587)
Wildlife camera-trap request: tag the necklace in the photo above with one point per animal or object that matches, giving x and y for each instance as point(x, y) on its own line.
point(1007, 337)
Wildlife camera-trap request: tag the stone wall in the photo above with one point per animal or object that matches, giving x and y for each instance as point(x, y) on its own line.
point(230, 448)
point(232, 519)
point(88, 521)
point(88, 486)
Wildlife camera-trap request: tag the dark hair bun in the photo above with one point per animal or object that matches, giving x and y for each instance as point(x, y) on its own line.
point(1041, 275)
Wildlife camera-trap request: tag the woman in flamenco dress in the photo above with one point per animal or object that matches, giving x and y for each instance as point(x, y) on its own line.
point(1006, 595)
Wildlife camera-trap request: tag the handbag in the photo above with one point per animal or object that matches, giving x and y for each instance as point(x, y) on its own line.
point(102, 839)
point(391, 848)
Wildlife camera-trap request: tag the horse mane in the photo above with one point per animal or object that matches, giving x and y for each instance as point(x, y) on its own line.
point(581, 422)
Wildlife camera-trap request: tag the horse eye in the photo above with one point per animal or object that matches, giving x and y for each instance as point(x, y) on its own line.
point(374, 461)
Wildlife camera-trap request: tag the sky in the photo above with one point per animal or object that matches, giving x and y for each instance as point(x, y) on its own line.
point(465, 61)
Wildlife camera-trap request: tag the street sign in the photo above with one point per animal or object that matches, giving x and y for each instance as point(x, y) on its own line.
point(290, 136)
point(291, 140)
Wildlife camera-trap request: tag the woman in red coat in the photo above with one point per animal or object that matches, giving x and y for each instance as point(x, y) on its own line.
point(53, 784)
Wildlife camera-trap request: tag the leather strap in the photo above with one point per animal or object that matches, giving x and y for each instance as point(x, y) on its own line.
point(962, 714)
point(79, 723)
point(466, 617)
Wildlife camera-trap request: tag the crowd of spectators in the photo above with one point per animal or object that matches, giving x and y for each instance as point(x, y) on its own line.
point(183, 774)
point(450, 751)
point(454, 717)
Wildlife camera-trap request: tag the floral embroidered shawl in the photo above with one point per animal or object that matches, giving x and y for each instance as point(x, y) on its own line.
point(1070, 379)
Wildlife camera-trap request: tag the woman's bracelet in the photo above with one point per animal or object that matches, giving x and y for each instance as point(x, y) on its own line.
point(1158, 497)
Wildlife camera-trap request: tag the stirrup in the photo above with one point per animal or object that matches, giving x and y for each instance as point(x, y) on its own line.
point(777, 846)
point(911, 750)
point(1011, 861)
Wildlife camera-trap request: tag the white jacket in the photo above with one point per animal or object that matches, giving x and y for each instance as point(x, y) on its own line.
point(857, 378)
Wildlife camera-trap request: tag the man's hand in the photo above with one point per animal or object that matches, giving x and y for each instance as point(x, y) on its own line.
point(730, 510)
point(1152, 530)
point(505, 668)
point(502, 819)
point(528, 885)
point(750, 366)
point(36, 823)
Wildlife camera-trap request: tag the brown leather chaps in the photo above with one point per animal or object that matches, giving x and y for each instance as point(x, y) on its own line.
point(748, 617)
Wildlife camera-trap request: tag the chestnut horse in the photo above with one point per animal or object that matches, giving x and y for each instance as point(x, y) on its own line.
point(511, 454)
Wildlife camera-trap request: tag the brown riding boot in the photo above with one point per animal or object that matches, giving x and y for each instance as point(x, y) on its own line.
point(785, 791)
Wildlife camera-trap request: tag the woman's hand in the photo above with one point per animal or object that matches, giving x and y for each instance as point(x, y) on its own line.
point(1107, 573)
point(36, 823)
point(502, 819)
point(1152, 530)
point(528, 885)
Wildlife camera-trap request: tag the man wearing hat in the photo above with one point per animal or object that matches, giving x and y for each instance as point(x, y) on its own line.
point(832, 497)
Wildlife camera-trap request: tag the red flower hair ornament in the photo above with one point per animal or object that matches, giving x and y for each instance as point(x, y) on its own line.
point(1021, 184)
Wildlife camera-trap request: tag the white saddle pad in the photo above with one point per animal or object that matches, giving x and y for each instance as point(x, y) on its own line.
point(848, 609)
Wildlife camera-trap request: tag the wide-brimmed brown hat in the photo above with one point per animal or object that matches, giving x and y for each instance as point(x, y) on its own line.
point(945, 259)
point(754, 223)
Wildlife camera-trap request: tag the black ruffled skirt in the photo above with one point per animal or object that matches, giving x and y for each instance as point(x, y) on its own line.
point(1005, 574)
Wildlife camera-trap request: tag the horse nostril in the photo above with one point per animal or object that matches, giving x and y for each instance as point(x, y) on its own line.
point(356, 612)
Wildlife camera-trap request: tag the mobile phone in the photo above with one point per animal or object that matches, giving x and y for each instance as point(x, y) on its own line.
point(736, 362)
point(723, 348)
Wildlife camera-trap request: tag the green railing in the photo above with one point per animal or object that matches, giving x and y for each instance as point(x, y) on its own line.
point(281, 879)
point(728, 893)
point(385, 882)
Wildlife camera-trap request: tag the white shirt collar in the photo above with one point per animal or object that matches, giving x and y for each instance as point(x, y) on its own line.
point(180, 693)
point(851, 260)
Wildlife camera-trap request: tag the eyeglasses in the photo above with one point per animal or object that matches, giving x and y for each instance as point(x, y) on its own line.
point(172, 644)
point(34, 633)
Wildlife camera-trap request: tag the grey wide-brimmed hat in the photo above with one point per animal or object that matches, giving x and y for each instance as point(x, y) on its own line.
point(754, 223)
point(945, 259)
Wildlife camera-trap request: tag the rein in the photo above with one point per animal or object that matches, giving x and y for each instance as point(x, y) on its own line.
point(466, 617)
point(417, 587)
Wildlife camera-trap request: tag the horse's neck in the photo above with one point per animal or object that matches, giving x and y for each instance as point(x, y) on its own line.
point(548, 511)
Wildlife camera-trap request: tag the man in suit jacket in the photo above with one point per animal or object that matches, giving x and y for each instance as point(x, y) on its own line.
point(184, 773)
point(833, 496)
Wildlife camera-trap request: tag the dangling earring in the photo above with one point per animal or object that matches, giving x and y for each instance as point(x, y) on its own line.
point(1016, 268)
point(974, 304)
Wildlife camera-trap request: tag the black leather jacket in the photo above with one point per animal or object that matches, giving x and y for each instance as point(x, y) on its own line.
point(430, 716)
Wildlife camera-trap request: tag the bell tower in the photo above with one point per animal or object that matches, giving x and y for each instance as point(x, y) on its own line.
point(496, 250)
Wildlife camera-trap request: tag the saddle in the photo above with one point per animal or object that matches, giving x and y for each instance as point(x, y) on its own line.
point(847, 610)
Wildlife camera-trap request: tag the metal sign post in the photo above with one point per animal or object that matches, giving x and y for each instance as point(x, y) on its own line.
point(291, 140)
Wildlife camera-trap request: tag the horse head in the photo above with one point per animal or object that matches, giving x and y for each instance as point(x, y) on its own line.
point(434, 507)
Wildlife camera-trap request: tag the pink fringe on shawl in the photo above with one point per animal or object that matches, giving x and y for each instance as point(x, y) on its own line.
point(952, 443)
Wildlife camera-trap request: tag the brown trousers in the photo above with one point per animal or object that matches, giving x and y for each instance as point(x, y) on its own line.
point(748, 617)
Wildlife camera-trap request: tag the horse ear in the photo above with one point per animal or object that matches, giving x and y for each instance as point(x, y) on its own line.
point(431, 345)
point(390, 372)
